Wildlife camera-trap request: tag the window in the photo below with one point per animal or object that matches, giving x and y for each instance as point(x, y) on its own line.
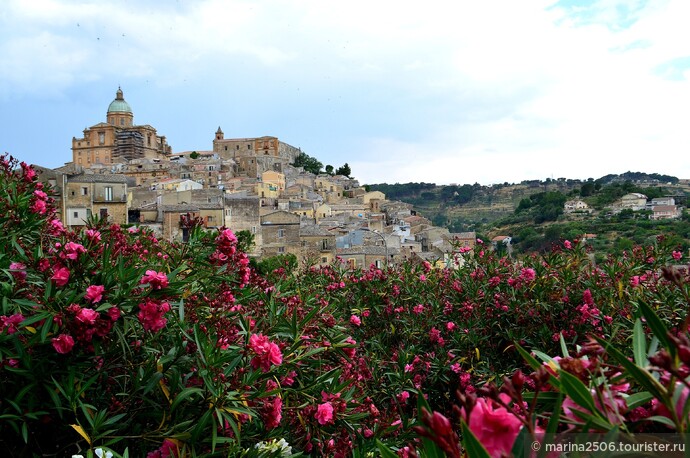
point(281, 249)
point(281, 233)
point(352, 263)
point(122, 121)
point(210, 219)
point(253, 229)
point(378, 263)
point(84, 191)
point(76, 214)
point(249, 146)
point(324, 244)
point(108, 193)
point(236, 147)
point(101, 138)
point(324, 259)
point(104, 213)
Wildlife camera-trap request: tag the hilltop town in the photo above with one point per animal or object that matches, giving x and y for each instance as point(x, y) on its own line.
point(129, 175)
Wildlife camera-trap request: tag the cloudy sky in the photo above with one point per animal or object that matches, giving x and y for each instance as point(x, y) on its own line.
point(442, 91)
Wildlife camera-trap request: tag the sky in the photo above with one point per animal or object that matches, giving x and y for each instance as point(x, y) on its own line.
point(442, 91)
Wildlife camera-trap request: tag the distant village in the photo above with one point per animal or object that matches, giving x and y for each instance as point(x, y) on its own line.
point(128, 174)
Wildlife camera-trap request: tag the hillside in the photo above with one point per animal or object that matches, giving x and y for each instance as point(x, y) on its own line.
point(531, 212)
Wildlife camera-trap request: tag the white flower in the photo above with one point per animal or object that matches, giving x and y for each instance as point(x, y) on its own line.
point(101, 453)
point(275, 446)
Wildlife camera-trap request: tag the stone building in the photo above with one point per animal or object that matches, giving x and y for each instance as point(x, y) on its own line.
point(317, 245)
point(280, 231)
point(118, 140)
point(254, 156)
point(87, 195)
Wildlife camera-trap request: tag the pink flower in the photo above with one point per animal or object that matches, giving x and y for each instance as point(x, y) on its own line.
point(226, 235)
point(528, 274)
point(151, 315)
point(417, 309)
point(56, 226)
point(354, 319)
point(10, 323)
point(495, 427)
point(73, 250)
point(422, 277)
point(567, 244)
point(113, 313)
point(87, 316)
point(450, 326)
point(403, 397)
point(18, 270)
point(133, 230)
point(60, 276)
point(157, 280)
point(28, 171)
point(267, 352)
point(677, 255)
point(63, 343)
point(324, 413)
point(39, 206)
point(93, 235)
point(272, 413)
point(94, 293)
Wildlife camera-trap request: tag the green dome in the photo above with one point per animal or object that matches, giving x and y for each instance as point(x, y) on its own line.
point(119, 104)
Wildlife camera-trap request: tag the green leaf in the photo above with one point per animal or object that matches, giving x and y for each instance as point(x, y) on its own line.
point(554, 422)
point(639, 344)
point(564, 348)
point(520, 445)
point(473, 447)
point(384, 450)
point(536, 365)
point(638, 399)
point(663, 420)
point(640, 375)
point(184, 394)
point(658, 328)
point(577, 391)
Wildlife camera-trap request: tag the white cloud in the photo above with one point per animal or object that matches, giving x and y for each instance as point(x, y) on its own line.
point(490, 91)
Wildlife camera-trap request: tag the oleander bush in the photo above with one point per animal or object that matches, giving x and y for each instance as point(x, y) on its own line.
point(115, 342)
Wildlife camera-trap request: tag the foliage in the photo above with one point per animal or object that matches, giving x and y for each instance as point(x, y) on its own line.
point(310, 164)
point(344, 170)
point(112, 339)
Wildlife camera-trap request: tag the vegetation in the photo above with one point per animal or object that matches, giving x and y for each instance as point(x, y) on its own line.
point(113, 342)
point(310, 164)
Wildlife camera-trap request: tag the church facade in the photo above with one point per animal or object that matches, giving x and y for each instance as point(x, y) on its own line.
point(118, 140)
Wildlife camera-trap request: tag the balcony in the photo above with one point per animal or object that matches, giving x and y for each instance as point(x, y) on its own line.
point(102, 197)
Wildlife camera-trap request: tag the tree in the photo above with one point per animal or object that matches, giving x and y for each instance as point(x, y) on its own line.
point(194, 155)
point(245, 241)
point(344, 170)
point(308, 163)
point(329, 169)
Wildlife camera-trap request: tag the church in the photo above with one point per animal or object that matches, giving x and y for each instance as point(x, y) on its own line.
point(118, 140)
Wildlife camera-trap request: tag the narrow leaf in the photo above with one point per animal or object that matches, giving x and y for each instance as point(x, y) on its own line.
point(639, 344)
point(473, 447)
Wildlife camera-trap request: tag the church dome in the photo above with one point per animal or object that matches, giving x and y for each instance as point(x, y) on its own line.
point(119, 104)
